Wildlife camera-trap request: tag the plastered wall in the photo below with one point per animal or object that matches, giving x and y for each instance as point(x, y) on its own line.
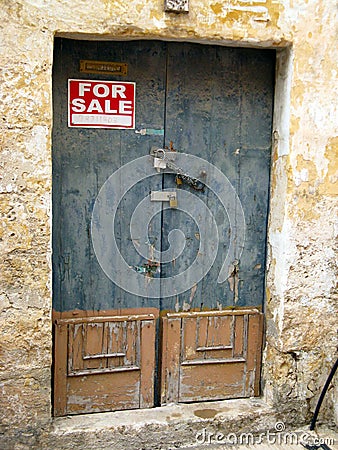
point(301, 306)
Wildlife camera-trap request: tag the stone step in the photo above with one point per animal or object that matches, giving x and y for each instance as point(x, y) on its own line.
point(230, 424)
point(167, 427)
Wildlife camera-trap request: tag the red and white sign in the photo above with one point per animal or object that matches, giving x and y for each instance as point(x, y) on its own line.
point(101, 104)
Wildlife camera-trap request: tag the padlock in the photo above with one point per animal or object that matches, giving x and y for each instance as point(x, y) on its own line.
point(173, 201)
point(178, 180)
point(159, 163)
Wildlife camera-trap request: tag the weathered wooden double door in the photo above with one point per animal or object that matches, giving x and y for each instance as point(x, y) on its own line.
point(118, 350)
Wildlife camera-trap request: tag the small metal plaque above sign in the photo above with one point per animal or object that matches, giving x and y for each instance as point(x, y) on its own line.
point(176, 6)
point(105, 67)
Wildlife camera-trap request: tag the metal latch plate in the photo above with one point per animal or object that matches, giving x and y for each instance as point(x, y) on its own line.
point(162, 196)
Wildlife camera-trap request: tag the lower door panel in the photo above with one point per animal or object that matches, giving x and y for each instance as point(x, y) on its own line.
point(104, 363)
point(211, 355)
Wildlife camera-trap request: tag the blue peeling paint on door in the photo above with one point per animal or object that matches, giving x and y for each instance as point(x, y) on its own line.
point(210, 101)
point(219, 107)
point(82, 161)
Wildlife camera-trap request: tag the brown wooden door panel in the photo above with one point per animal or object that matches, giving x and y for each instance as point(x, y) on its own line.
point(104, 363)
point(211, 355)
point(211, 382)
point(103, 392)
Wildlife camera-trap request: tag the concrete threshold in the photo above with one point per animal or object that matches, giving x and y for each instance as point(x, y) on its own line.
point(168, 427)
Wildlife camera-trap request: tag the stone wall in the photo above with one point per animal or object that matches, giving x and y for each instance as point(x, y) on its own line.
point(301, 307)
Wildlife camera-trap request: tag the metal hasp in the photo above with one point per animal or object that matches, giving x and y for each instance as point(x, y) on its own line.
point(164, 159)
point(176, 6)
point(164, 196)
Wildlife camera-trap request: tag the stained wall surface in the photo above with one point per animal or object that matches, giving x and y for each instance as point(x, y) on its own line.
point(301, 307)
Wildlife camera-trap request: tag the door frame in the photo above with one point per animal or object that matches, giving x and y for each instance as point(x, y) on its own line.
point(280, 144)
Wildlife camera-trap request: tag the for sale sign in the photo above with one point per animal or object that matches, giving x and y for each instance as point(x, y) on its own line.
point(101, 104)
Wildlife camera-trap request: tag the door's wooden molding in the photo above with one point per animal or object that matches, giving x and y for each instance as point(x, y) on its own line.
point(81, 313)
point(105, 355)
point(60, 369)
point(86, 372)
point(100, 319)
point(197, 362)
point(216, 347)
point(147, 352)
point(170, 359)
point(239, 312)
point(254, 354)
